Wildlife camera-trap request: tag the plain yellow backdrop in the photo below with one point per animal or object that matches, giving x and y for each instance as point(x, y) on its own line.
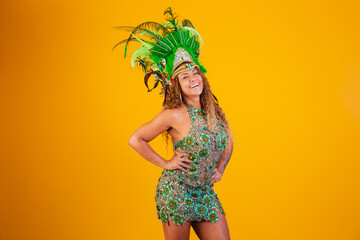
point(286, 73)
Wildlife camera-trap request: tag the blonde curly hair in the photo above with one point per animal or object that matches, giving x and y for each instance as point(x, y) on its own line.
point(212, 109)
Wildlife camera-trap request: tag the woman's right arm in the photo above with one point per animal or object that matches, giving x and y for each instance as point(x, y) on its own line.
point(147, 132)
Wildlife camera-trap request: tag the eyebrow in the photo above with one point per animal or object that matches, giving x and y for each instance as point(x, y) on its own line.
point(183, 74)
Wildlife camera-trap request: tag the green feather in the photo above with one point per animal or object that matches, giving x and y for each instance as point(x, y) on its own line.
point(187, 23)
point(132, 39)
point(171, 18)
point(125, 49)
point(140, 51)
point(156, 68)
point(169, 24)
point(152, 33)
point(146, 44)
point(194, 32)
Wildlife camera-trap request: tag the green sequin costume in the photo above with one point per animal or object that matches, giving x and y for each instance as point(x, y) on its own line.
point(189, 196)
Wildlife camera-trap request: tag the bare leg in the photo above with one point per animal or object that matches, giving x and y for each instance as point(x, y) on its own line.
point(177, 232)
point(206, 230)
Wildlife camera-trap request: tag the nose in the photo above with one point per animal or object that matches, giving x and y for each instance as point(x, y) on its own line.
point(192, 78)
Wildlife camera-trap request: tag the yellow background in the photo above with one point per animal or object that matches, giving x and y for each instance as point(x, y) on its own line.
point(286, 73)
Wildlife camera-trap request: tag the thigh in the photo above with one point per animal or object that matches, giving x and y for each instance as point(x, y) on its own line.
point(177, 232)
point(206, 230)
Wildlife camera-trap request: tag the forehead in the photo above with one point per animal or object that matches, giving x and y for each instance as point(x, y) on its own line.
point(187, 72)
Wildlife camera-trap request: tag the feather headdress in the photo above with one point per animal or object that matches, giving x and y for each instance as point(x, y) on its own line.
point(164, 46)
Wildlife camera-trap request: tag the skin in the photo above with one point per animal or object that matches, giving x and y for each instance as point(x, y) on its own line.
point(177, 122)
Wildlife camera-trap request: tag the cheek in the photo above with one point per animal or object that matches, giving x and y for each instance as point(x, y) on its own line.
point(201, 80)
point(184, 85)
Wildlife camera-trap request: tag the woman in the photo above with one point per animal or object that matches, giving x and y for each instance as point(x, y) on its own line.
point(189, 86)
point(201, 135)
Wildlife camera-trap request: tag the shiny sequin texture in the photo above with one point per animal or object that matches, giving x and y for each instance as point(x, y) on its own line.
point(189, 196)
point(180, 56)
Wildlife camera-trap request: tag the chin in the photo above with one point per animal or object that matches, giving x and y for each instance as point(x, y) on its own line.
point(197, 93)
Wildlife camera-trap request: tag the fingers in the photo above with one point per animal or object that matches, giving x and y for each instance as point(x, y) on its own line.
point(216, 176)
point(214, 172)
point(181, 168)
point(181, 151)
point(184, 154)
point(187, 160)
point(214, 180)
point(185, 164)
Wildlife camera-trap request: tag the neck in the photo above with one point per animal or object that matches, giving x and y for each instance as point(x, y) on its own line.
point(195, 102)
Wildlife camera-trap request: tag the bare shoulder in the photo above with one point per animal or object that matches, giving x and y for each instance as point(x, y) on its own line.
point(173, 116)
point(165, 120)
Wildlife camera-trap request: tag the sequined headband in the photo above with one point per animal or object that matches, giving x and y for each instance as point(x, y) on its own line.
point(182, 68)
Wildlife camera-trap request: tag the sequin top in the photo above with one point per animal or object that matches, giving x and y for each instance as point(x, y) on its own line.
point(204, 148)
point(182, 196)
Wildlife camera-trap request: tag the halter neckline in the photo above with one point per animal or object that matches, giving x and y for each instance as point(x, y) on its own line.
point(191, 106)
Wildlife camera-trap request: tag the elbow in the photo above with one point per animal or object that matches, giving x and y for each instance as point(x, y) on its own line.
point(135, 140)
point(132, 141)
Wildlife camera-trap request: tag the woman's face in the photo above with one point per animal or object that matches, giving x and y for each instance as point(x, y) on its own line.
point(191, 82)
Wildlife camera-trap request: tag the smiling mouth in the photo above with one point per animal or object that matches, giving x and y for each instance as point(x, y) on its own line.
point(194, 86)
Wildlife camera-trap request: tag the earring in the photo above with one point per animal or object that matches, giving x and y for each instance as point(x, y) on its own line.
point(181, 97)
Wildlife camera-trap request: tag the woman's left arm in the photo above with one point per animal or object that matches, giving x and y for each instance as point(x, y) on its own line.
point(223, 161)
